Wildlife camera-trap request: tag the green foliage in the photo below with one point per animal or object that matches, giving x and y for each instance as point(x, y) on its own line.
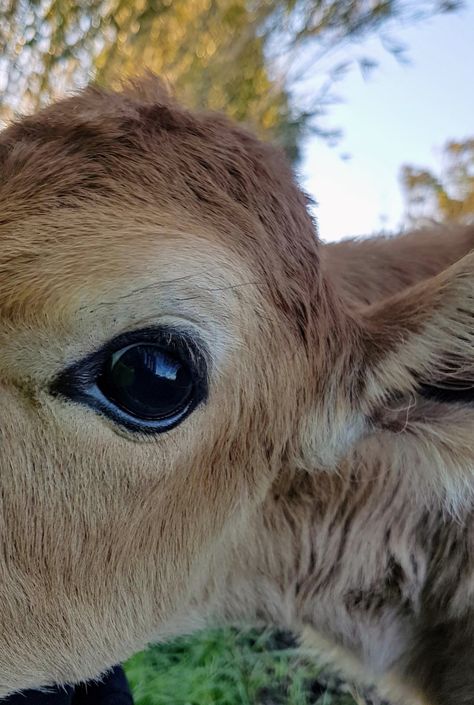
point(225, 667)
point(249, 58)
point(447, 196)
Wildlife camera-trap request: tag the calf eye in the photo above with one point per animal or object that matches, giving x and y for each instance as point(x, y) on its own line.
point(148, 381)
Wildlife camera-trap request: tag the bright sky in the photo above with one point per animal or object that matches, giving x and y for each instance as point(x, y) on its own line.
point(400, 114)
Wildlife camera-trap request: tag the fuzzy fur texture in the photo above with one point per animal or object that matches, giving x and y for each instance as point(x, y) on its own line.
point(325, 485)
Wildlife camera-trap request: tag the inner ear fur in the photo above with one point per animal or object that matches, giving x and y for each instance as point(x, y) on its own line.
point(422, 340)
point(388, 357)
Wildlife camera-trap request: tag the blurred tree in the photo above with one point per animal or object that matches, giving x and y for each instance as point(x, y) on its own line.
point(246, 57)
point(448, 196)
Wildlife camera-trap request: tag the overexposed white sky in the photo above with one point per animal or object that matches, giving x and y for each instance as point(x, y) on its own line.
point(400, 114)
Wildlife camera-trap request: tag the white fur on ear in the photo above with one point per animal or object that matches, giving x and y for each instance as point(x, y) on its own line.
point(327, 439)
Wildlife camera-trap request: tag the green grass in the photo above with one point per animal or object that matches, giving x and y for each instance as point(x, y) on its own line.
point(226, 667)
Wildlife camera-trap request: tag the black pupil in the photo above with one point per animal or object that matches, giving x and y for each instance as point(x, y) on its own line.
point(147, 382)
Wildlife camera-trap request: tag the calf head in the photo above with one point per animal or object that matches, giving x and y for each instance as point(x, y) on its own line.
point(168, 342)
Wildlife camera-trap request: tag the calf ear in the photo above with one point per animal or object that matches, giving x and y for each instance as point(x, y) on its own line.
point(421, 342)
point(404, 368)
point(416, 384)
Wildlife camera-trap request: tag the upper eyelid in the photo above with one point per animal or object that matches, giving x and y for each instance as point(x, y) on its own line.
point(68, 379)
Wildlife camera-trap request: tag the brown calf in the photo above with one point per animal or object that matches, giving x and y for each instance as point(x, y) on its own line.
point(207, 415)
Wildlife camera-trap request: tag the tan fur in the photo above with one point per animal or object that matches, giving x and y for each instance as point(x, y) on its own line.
point(316, 488)
point(372, 268)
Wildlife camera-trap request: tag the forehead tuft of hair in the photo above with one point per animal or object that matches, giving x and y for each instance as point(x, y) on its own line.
point(98, 139)
point(149, 88)
point(95, 114)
